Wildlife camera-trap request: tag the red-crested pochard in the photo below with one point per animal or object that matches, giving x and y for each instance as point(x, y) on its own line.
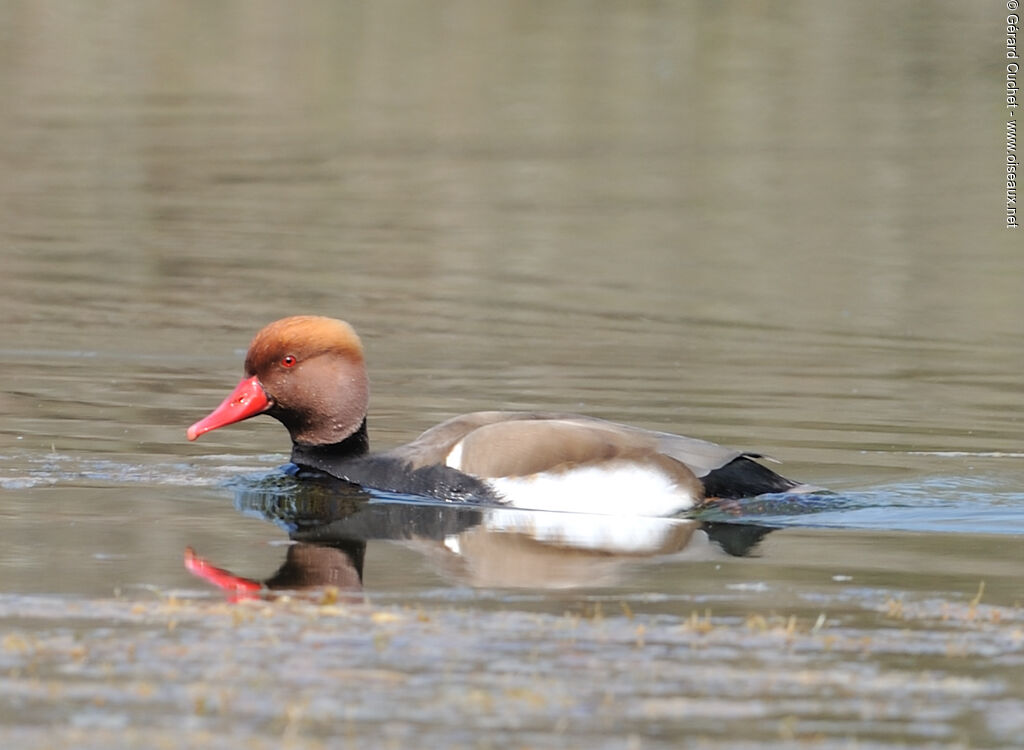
point(308, 372)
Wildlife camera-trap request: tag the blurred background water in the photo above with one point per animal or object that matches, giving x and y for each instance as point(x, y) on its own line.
point(779, 228)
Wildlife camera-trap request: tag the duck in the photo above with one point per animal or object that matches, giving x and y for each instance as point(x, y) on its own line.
point(309, 373)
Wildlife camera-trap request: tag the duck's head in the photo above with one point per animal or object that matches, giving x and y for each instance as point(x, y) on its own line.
point(307, 372)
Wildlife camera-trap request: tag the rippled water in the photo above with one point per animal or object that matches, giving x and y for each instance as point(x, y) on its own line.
point(775, 228)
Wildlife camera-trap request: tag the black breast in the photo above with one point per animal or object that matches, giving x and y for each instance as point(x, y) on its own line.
point(350, 462)
point(394, 475)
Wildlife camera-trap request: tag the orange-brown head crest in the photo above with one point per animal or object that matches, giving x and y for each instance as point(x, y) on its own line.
point(302, 336)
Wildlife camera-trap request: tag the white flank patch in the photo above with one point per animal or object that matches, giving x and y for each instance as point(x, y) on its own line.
point(614, 489)
point(454, 458)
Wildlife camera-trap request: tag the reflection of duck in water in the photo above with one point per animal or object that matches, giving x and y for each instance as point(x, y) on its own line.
point(474, 545)
point(308, 372)
point(306, 566)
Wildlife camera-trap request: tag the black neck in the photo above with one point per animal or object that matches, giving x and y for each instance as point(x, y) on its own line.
point(325, 456)
point(349, 461)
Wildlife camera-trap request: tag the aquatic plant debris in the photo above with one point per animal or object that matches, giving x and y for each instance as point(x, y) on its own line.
point(306, 669)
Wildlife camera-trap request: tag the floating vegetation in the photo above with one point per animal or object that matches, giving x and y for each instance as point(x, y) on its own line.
point(312, 666)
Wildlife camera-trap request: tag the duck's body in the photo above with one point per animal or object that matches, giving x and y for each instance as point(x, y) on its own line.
point(309, 373)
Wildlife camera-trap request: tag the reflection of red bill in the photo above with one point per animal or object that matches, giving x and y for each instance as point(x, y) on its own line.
point(239, 588)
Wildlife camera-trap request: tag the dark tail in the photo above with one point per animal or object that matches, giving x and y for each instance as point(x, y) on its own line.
point(744, 477)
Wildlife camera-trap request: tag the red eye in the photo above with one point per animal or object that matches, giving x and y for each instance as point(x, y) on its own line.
point(288, 360)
